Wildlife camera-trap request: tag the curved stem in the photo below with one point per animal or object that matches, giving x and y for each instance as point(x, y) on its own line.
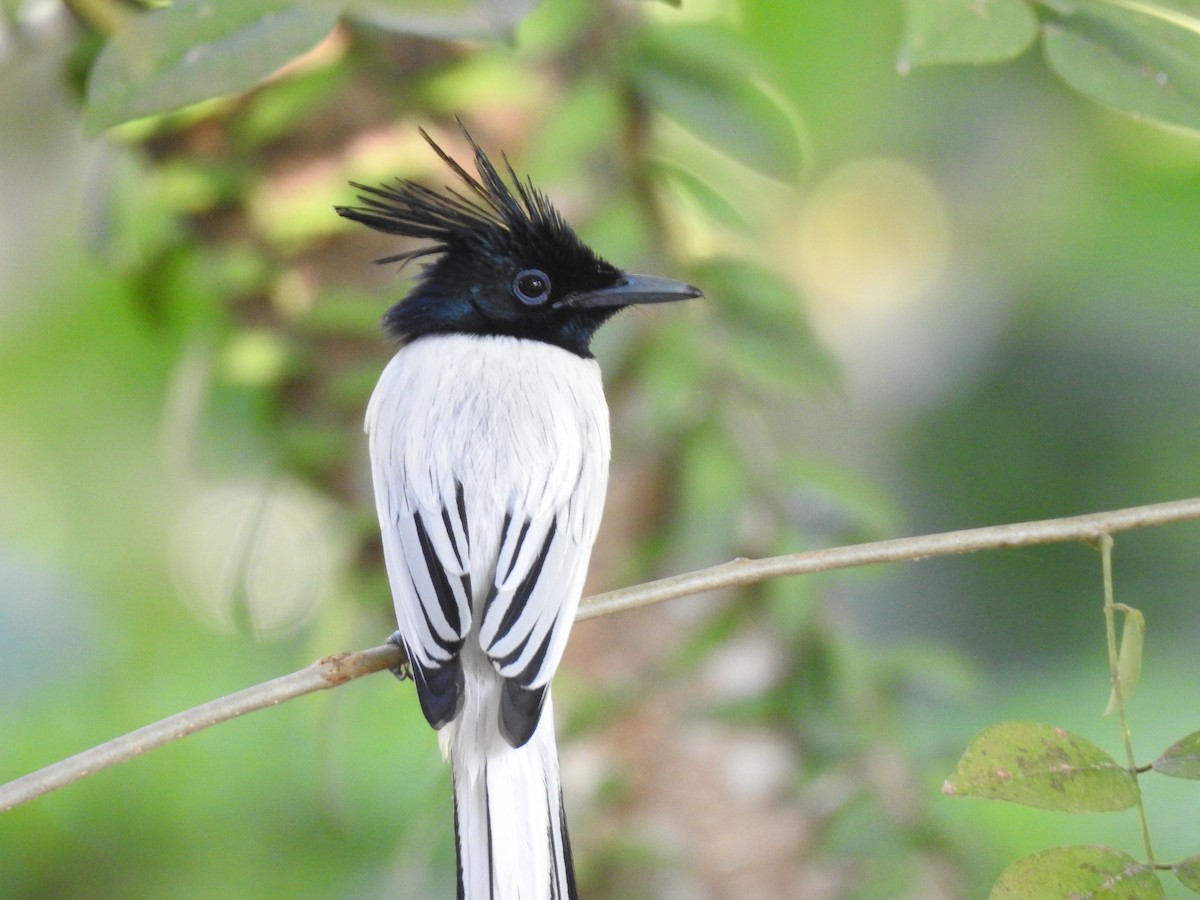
point(1118, 689)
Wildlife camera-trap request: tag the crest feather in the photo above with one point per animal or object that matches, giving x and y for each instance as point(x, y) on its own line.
point(488, 213)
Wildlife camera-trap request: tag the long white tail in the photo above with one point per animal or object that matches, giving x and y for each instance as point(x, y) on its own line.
point(509, 826)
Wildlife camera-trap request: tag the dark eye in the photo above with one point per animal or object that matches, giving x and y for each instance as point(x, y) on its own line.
point(532, 287)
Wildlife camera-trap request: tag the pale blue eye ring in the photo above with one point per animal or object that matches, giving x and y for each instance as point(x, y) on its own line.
point(531, 287)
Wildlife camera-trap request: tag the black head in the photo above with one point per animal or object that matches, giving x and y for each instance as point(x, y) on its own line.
point(507, 263)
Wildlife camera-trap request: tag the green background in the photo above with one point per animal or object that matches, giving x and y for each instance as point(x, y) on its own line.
point(957, 297)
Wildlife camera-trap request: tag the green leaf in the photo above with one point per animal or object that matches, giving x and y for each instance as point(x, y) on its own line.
point(1044, 767)
point(1141, 58)
point(704, 80)
point(1181, 759)
point(195, 50)
point(965, 31)
point(1080, 873)
point(1188, 873)
point(1129, 658)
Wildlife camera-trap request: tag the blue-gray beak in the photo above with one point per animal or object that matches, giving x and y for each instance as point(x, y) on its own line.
point(635, 289)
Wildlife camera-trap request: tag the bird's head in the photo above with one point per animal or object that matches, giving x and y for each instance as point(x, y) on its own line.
point(506, 262)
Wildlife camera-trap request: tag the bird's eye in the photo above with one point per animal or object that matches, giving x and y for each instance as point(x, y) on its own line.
point(532, 287)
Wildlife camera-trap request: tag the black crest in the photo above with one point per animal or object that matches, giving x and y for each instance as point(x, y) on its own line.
point(451, 220)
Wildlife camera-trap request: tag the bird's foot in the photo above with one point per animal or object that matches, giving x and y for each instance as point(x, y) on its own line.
point(403, 671)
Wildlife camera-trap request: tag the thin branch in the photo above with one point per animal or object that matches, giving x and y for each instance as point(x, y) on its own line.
point(342, 667)
point(950, 543)
point(328, 672)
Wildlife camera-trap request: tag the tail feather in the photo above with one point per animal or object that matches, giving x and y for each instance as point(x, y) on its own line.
point(509, 825)
point(560, 850)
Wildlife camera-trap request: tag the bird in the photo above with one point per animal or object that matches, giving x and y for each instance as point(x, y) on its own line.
point(488, 437)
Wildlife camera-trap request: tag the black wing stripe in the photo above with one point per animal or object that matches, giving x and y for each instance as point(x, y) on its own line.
point(503, 539)
point(461, 503)
point(437, 576)
point(516, 550)
point(535, 665)
point(505, 661)
point(526, 676)
point(516, 606)
point(451, 646)
point(458, 557)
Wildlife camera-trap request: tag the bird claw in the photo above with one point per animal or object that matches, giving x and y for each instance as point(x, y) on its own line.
point(403, 671)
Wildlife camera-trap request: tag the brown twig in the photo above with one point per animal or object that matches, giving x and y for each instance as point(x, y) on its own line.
point(328, 672)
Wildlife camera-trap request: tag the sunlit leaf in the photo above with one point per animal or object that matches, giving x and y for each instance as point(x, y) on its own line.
point(1080, 873)
point(1129, 658)
point(965, 31)
point(1042, 766)
point(1188, 873)
point(195, 50)
point(1181, 759)
point(1140, 58)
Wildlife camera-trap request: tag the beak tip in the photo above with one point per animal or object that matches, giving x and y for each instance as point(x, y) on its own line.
point(631, 290)
point(641, 289)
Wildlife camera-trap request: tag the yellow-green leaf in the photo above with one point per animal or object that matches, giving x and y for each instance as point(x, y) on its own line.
point(1080, 873)
point(1042, 766)
point(1181, 759)
point(1140, 58)
point(1129, 658)
point(965, 31)
point(1188, 873)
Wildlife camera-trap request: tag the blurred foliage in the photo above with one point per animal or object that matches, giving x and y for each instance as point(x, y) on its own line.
point(1142, 57)
point(937, 301)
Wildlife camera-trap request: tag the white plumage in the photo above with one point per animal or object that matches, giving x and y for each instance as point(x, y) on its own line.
point(490, 461)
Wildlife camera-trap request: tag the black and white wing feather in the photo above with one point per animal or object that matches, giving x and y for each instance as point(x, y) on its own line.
point(425, 546)
point(531, 606)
